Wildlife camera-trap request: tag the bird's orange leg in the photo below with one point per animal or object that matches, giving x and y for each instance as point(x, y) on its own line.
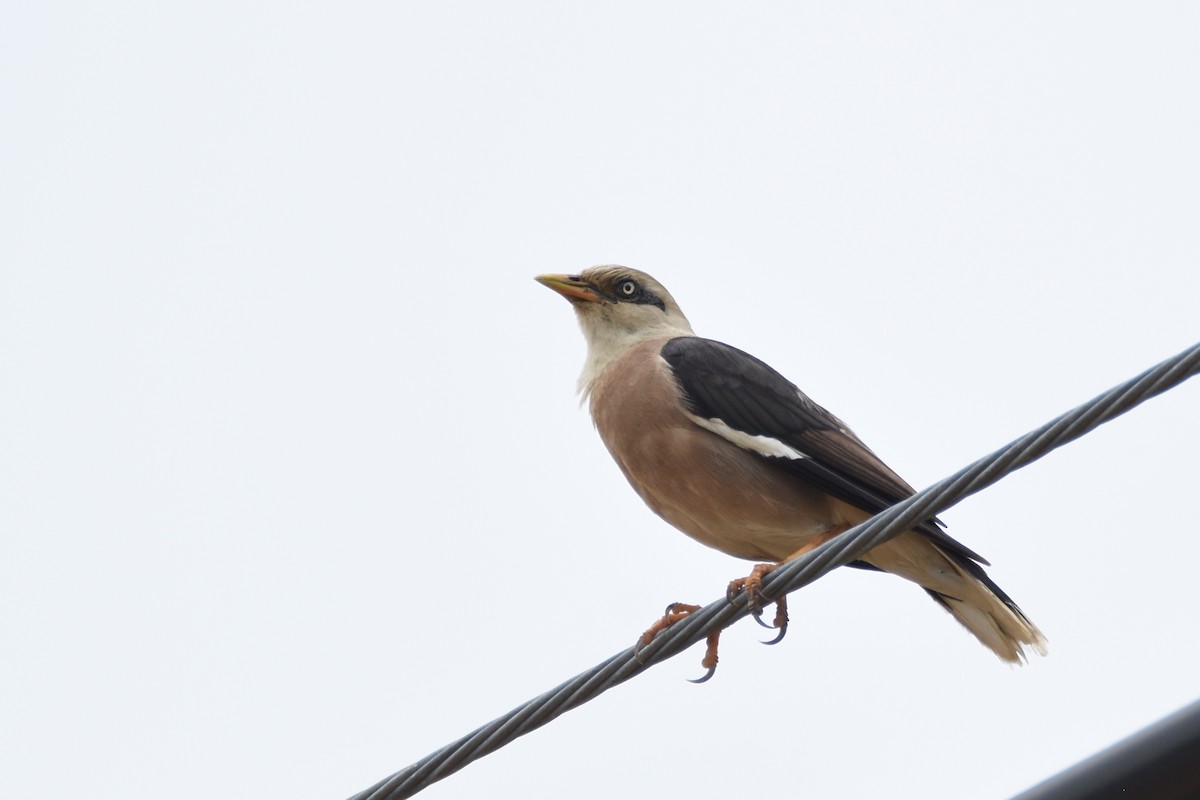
point(780, 623)
point(752, 585)
point(674, 613)
point(709, 662)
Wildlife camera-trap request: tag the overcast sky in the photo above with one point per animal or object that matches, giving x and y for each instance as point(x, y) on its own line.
point(294, 484)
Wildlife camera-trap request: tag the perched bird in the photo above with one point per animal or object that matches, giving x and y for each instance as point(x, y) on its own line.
point(730, 452)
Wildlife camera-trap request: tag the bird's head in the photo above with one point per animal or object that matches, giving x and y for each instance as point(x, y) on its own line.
point(615, 301)
point(617, 308)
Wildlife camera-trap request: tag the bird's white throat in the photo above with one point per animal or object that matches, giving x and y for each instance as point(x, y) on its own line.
point(610, 335)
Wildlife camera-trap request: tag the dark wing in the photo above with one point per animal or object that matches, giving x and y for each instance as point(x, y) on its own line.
point(723, 383)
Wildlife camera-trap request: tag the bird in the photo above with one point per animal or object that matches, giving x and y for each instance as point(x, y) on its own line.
point(730, 452)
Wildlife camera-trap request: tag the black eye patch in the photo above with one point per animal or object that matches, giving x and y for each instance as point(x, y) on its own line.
point(627, 290)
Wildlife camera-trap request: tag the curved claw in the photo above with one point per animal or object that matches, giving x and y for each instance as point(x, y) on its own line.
point(781, 620)
point(709, 662)
point(779, 636)
point(758, 618)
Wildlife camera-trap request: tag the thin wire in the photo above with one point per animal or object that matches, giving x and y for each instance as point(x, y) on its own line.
point(791, 576)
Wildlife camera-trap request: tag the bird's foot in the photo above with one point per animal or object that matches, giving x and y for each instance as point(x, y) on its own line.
point(752, 586)
point(780, 623)
point(709, 662)
point(674, 613)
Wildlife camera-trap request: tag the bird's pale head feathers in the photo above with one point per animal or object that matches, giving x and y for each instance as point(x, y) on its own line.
point(617, 308)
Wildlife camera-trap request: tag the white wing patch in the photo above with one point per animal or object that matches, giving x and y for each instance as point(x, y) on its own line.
point(763, 445)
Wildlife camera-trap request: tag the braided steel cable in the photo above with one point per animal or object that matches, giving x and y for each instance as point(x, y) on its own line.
point(804, 570)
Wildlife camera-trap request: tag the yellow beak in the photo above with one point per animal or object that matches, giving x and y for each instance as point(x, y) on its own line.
point(571, 287)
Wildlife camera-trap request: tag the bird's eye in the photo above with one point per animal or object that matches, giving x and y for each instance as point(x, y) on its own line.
point(628, 288)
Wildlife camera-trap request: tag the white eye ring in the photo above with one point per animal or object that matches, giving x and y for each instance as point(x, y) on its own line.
point(628, 288)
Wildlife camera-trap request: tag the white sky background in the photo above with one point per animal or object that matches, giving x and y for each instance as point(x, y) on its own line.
point(294, 488)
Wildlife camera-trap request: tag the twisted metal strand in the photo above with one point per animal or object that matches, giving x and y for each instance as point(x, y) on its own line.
point(787, 578)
